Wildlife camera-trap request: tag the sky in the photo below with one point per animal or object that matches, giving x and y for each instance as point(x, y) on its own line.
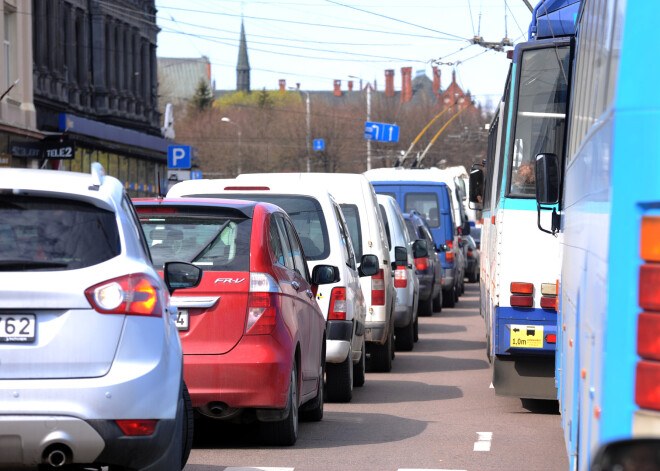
point(314, 42)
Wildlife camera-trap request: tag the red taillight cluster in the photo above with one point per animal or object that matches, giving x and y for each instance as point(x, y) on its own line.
point(378, 289)
point(137, 294)
point(422, 264)
point(522, 294)
point(137, 428)
point(400, 277)
point(449, 255)
point(264, 304)
point(337, 304)
point(647, 382)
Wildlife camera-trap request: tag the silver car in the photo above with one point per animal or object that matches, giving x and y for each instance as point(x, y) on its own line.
point(91, 362)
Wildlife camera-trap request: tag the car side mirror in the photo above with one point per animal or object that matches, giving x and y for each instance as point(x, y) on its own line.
point(420, 248)
point(368, 265)
point(634, 453)
point(400, 256)
point(325, 274)
point(181, 275)
point(476, 188)
point(465, 228)
point(547, 179)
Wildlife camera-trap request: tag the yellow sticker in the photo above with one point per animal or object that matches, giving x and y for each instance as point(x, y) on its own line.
point(526, 336)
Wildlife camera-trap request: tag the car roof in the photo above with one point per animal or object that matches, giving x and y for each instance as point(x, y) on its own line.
point(243, 206)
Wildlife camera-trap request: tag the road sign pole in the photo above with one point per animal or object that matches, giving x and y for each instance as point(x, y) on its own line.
point(368, 119)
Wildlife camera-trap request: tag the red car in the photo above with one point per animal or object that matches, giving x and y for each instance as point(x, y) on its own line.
point(253, 335)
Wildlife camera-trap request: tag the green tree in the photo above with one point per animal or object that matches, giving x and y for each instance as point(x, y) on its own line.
point(203, 97)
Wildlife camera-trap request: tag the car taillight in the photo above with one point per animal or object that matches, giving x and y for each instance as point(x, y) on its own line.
point(522, 294)
point(450, 243)
point(647, 380)
point(449, 256)
point(400, 277)
point(469, 252)
point(137, 428)
point(264, 304)
point(378, 289)
point(338, 304)
point(136, 294)
point(422, 264)
point(549, 295)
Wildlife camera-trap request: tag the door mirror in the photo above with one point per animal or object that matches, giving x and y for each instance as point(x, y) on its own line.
point(325, 274)
point(443, 248)
point(368, 265)
point(547, 179)
point(400, 256)
point(476, 188)
point(420, 248)
point(465, 228)
point(635, 453)
point(181, 275)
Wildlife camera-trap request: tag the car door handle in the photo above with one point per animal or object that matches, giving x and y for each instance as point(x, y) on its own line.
point(295, 285)
point(309, 293)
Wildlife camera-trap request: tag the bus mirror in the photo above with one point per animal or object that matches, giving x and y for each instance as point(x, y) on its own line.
point(547, 179)
point(632, 453)
point(476, 188)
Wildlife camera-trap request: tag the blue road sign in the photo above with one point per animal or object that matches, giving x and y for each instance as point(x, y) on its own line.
point(195, 174)
point(319, 144)
point(381, 132)
point(178, 157)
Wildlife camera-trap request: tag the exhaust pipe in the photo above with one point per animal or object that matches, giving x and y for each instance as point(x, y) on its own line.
point(57, 455)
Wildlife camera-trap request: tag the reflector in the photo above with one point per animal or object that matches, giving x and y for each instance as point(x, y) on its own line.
point(647, 385)
point(522, 301)
point(522, 288)
point(650, 239)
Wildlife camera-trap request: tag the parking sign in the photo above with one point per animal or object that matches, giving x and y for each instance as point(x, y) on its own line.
point(178, 157)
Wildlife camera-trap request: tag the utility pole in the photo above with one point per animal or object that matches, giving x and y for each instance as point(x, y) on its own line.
point(368, 119)
point(309, 137)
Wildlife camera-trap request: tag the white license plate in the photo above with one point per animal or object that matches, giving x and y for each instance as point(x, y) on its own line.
point(17, 328)
point(182, 319)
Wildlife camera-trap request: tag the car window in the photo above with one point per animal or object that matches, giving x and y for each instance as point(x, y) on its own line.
point(352, 217)
point(286, 246)
point(208, 239)
point(411, 230)
point(275, 242)
point(427, 235)
point(300, 266)
point(307, 216)
point(130, 211)
point(426, 204)
point(386, 222)
point(347, 244)
point(39, 233)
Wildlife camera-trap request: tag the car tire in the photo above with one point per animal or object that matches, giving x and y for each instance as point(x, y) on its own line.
point(360, 369)
point(425, 307)
point(284, 432)
point(381, 356)
point(339, 379)
point(449, 298)
point(437, 302)
point(416, 329)
point(404, 339)
point(456, 293)
point(312, 411)
point(188, 426)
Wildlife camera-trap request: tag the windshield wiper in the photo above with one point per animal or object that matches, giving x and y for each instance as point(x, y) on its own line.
point(207, 246)
point(10, 265)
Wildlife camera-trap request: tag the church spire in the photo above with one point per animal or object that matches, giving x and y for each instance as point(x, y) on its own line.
point(243, 66)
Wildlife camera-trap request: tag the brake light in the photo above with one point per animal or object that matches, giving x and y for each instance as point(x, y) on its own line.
point(400, 277)
point(137, 428)
point(422, 264)
point(378, 289)
point(449, 257)
point(264, 304)
point(648, 335)
point(521, 301)
point(247, 188)
point(647, 385)
point(136, 294)
point(469, 252)
point(450, 243)
point(338, 304)
point(649, 280)
point(156, 210)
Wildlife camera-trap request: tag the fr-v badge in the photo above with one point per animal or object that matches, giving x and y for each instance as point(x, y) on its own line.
point(230, 280)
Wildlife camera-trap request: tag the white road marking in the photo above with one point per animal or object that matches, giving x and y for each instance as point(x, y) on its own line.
point(257, 468)
point(483, 442)
point(427, 469)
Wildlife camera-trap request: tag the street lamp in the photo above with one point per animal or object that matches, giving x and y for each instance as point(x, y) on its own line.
point(368, 117)
point(238, 127)
point(308, 135)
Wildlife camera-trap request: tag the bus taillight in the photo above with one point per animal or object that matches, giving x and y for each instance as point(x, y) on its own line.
point(647, 385)
point(522, 294)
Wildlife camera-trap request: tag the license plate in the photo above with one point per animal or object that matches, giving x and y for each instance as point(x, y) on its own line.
point(182, 319)
point(17, 328)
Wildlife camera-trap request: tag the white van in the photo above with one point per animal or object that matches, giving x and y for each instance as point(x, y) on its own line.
point(324, 234)
point(406, 283)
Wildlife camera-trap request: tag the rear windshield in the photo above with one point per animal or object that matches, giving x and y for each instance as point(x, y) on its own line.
point(307, 217)
point(39, 234)
point(352, 217)
point(210, 240)
point(426, 204)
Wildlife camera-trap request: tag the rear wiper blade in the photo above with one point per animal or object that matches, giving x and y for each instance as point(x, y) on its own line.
point(9, 265)
point(207, 246)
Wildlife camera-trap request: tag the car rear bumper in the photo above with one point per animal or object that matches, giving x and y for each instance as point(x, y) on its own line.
point(376, 332)
point(448, 278)
point(403, 316)
point(27, 441)
point(254, 374)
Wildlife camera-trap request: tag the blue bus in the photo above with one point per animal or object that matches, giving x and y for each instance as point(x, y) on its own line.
point(607, 187)
point(520, 264)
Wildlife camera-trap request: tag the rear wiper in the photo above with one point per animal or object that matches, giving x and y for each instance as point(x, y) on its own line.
point(10, 265)
point(207, 246)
